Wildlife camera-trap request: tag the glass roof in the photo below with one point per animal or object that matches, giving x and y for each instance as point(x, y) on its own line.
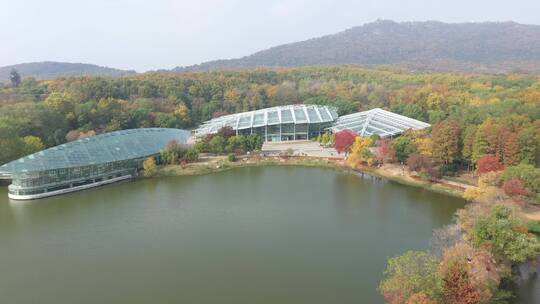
point(377, 121)
point(114, 146)
point(271, 116)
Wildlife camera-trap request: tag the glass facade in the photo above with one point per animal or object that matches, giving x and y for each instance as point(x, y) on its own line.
point(87, 161)
point(292, 122)
point(377, 121)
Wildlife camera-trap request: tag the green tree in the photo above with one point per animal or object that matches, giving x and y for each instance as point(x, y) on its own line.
point(217, 144)
point(411, 273)
point(506, 235)
point(404, 147)
point(32, 144)
point(14, 78)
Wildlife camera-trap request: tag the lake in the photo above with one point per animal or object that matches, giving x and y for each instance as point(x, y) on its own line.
point(250, 235)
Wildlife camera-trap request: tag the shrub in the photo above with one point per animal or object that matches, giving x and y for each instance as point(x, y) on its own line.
point(226, 132)
point(515, 187)
point(231, 157)
point(217, 144)
point(528, 174)
point(191, 155)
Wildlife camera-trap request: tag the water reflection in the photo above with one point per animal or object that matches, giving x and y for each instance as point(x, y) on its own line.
point(276, 234)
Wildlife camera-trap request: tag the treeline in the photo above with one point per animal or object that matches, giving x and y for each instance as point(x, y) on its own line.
point(49, 110)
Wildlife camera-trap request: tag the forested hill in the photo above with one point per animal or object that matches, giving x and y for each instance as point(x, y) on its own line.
point(51, 70)
point(426, 46)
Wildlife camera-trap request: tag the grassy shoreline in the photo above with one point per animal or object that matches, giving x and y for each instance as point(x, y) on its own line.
point(220, 165)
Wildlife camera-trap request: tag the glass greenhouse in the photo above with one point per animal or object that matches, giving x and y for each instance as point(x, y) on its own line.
point(377, 121)
point(87, 162)
point(291, 122)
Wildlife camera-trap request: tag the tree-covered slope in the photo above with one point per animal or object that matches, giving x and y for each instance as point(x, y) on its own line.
point(426, 46)
point(51, 70)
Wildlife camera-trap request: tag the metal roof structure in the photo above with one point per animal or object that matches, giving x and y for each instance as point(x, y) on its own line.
point(108, 147)
point(294, 114)
point(377, 121)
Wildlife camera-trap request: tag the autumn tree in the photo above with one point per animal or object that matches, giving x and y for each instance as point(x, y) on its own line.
point(515, 187)
point(528, 174)
point(32, 144)
point(423, 165)
point(489, 163)
point(409, 274)
point(149, 167)
point(385, 150)
point(457, 285)
point(344, 140)
point(483, 271)
point(360, 152)
point(445, 137)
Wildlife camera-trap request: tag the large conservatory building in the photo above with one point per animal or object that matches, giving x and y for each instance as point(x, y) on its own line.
point(87, 162)
point(292, 122)
point(297, 122)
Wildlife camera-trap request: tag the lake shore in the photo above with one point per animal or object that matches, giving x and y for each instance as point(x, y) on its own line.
point(390, 172)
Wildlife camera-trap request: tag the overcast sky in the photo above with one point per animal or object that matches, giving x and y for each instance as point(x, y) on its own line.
point(153, 34)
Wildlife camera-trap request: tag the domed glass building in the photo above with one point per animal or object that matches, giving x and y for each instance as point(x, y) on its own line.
point(87, 162)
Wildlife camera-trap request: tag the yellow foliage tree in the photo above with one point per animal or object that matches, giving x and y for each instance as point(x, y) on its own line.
point(149, 166)
point(360, 152)
point(424, 145)
point(182, 112)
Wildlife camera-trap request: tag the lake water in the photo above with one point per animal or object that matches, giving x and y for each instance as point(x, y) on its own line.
point(251, 235)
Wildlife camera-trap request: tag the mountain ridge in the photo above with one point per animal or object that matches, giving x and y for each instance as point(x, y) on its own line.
point(426, 46)
point(54, 69)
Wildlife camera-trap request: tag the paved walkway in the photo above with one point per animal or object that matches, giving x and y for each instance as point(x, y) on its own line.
point(301, 147)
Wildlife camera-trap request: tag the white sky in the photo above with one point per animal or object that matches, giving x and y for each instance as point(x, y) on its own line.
point(153, 34)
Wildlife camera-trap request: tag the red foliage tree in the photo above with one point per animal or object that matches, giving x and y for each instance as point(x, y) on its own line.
point(416, 162)
point(385, 150)
point(515, 187)
point(458, 286)
point(226, 132)
point(423, 164)
point(344, 140)
point(489, 163)
point(420, 298)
